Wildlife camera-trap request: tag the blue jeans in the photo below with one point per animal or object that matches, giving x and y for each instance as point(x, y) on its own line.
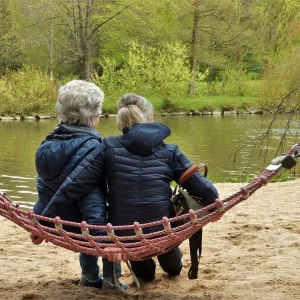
point(90, 268)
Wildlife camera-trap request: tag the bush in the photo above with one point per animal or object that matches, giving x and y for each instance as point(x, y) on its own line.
point(278, 80)
point(161, 71)
point(111, 80)
point(235, 83)
point(25, 91)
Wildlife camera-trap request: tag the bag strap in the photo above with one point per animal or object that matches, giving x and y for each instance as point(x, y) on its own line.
point(190, 172)
point(195, 241)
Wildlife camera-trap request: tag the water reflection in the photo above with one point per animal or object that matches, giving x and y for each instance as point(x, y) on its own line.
point(225, 144)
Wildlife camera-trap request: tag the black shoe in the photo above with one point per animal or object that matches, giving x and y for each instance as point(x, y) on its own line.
point(109, 285)
point(92, 283)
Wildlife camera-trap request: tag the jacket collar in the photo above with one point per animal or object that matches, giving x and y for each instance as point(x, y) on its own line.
point(144, 139)
point(75, 128)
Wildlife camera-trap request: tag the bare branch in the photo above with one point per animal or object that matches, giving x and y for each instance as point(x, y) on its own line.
point(109, 19)
point(263, 136)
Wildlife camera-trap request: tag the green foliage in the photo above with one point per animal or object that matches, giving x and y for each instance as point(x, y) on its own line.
point(25, 91)
point(203, 103)
point(278, 80)
point(148, 22)
point(161, 71)
point(109, 81)
point(201, 84)
point(138, 67)
point(68, 78)
point(10, 53)
point(169, 106)
point(144, 46)
point(170, 72)
point(280, 27)
point(234, 82)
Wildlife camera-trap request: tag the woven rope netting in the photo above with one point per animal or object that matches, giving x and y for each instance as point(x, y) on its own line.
point(138, 246)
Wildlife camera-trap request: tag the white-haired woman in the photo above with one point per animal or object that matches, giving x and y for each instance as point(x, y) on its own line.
point(79, 108)
point(139, 168)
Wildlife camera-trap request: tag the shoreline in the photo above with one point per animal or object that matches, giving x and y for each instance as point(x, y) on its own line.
point(192, 112)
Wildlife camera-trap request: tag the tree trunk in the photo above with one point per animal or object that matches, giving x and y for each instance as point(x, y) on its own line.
point(51, 49)
point(194, 47)
point(88, 47)
point(84, 37)
point(238, 45)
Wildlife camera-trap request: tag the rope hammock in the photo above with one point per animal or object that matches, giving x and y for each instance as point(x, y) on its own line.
point(139, 246)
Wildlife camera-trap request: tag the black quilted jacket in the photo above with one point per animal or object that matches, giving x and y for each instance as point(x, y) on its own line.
point(139, 168)
point(56, 158)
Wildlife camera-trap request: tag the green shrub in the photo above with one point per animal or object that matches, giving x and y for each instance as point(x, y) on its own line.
point(169, 106)
point(161, 71)
point(111, 81)
point(207, 107)
point(235, 83)
point(279, 79)
point(66, 78)
point(26, 91)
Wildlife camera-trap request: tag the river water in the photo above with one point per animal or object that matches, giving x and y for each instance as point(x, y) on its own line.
point(225, 143)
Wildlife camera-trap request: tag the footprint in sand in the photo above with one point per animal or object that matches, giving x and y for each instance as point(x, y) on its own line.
point(31, 297)
point(291, 227)
point(197, 287)
point(296, 245)
point(209, 274)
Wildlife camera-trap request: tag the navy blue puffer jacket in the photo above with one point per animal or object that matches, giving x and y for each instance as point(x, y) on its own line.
point(139, 168)
point(56, 158)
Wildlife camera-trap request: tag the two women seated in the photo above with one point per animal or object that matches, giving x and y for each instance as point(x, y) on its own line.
point(120, 179)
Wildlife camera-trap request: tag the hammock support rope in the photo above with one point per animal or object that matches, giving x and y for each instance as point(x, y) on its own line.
point(139, 246)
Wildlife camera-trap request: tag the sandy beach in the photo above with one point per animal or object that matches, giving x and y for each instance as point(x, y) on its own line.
point(253, 252)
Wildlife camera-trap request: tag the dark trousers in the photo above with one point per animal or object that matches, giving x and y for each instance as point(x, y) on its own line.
point(90, 268)
point(170, 262)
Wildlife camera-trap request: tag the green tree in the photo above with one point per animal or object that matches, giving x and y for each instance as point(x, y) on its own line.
point(69, 32)
point(10, 53)
point(217, 33)
point(40, 34)
point(280, 19)
point(147, 22)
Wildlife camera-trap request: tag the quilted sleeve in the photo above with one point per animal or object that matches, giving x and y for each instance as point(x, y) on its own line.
point(197, 185)
point(85, 178)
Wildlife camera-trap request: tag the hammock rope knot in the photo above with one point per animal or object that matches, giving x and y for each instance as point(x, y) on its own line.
point(245, 193)
point(137, 229)
point(84, 229)
point(220, 206)
point(58, 225)
point(193, 216)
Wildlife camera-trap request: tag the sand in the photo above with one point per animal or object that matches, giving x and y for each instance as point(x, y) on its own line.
point(253, 252)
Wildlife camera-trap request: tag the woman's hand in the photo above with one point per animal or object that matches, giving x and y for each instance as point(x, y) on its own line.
point(35, 239)
point(114, 255)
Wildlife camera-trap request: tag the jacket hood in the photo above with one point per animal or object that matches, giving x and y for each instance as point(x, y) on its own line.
point(60, 147)
point(144, 139)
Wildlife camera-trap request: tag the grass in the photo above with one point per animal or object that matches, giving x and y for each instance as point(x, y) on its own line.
point(201, 103)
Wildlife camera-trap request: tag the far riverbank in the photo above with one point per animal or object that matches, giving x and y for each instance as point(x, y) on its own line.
point(192, 112)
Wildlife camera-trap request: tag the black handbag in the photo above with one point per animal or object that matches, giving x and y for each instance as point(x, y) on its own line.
point(182, 202)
